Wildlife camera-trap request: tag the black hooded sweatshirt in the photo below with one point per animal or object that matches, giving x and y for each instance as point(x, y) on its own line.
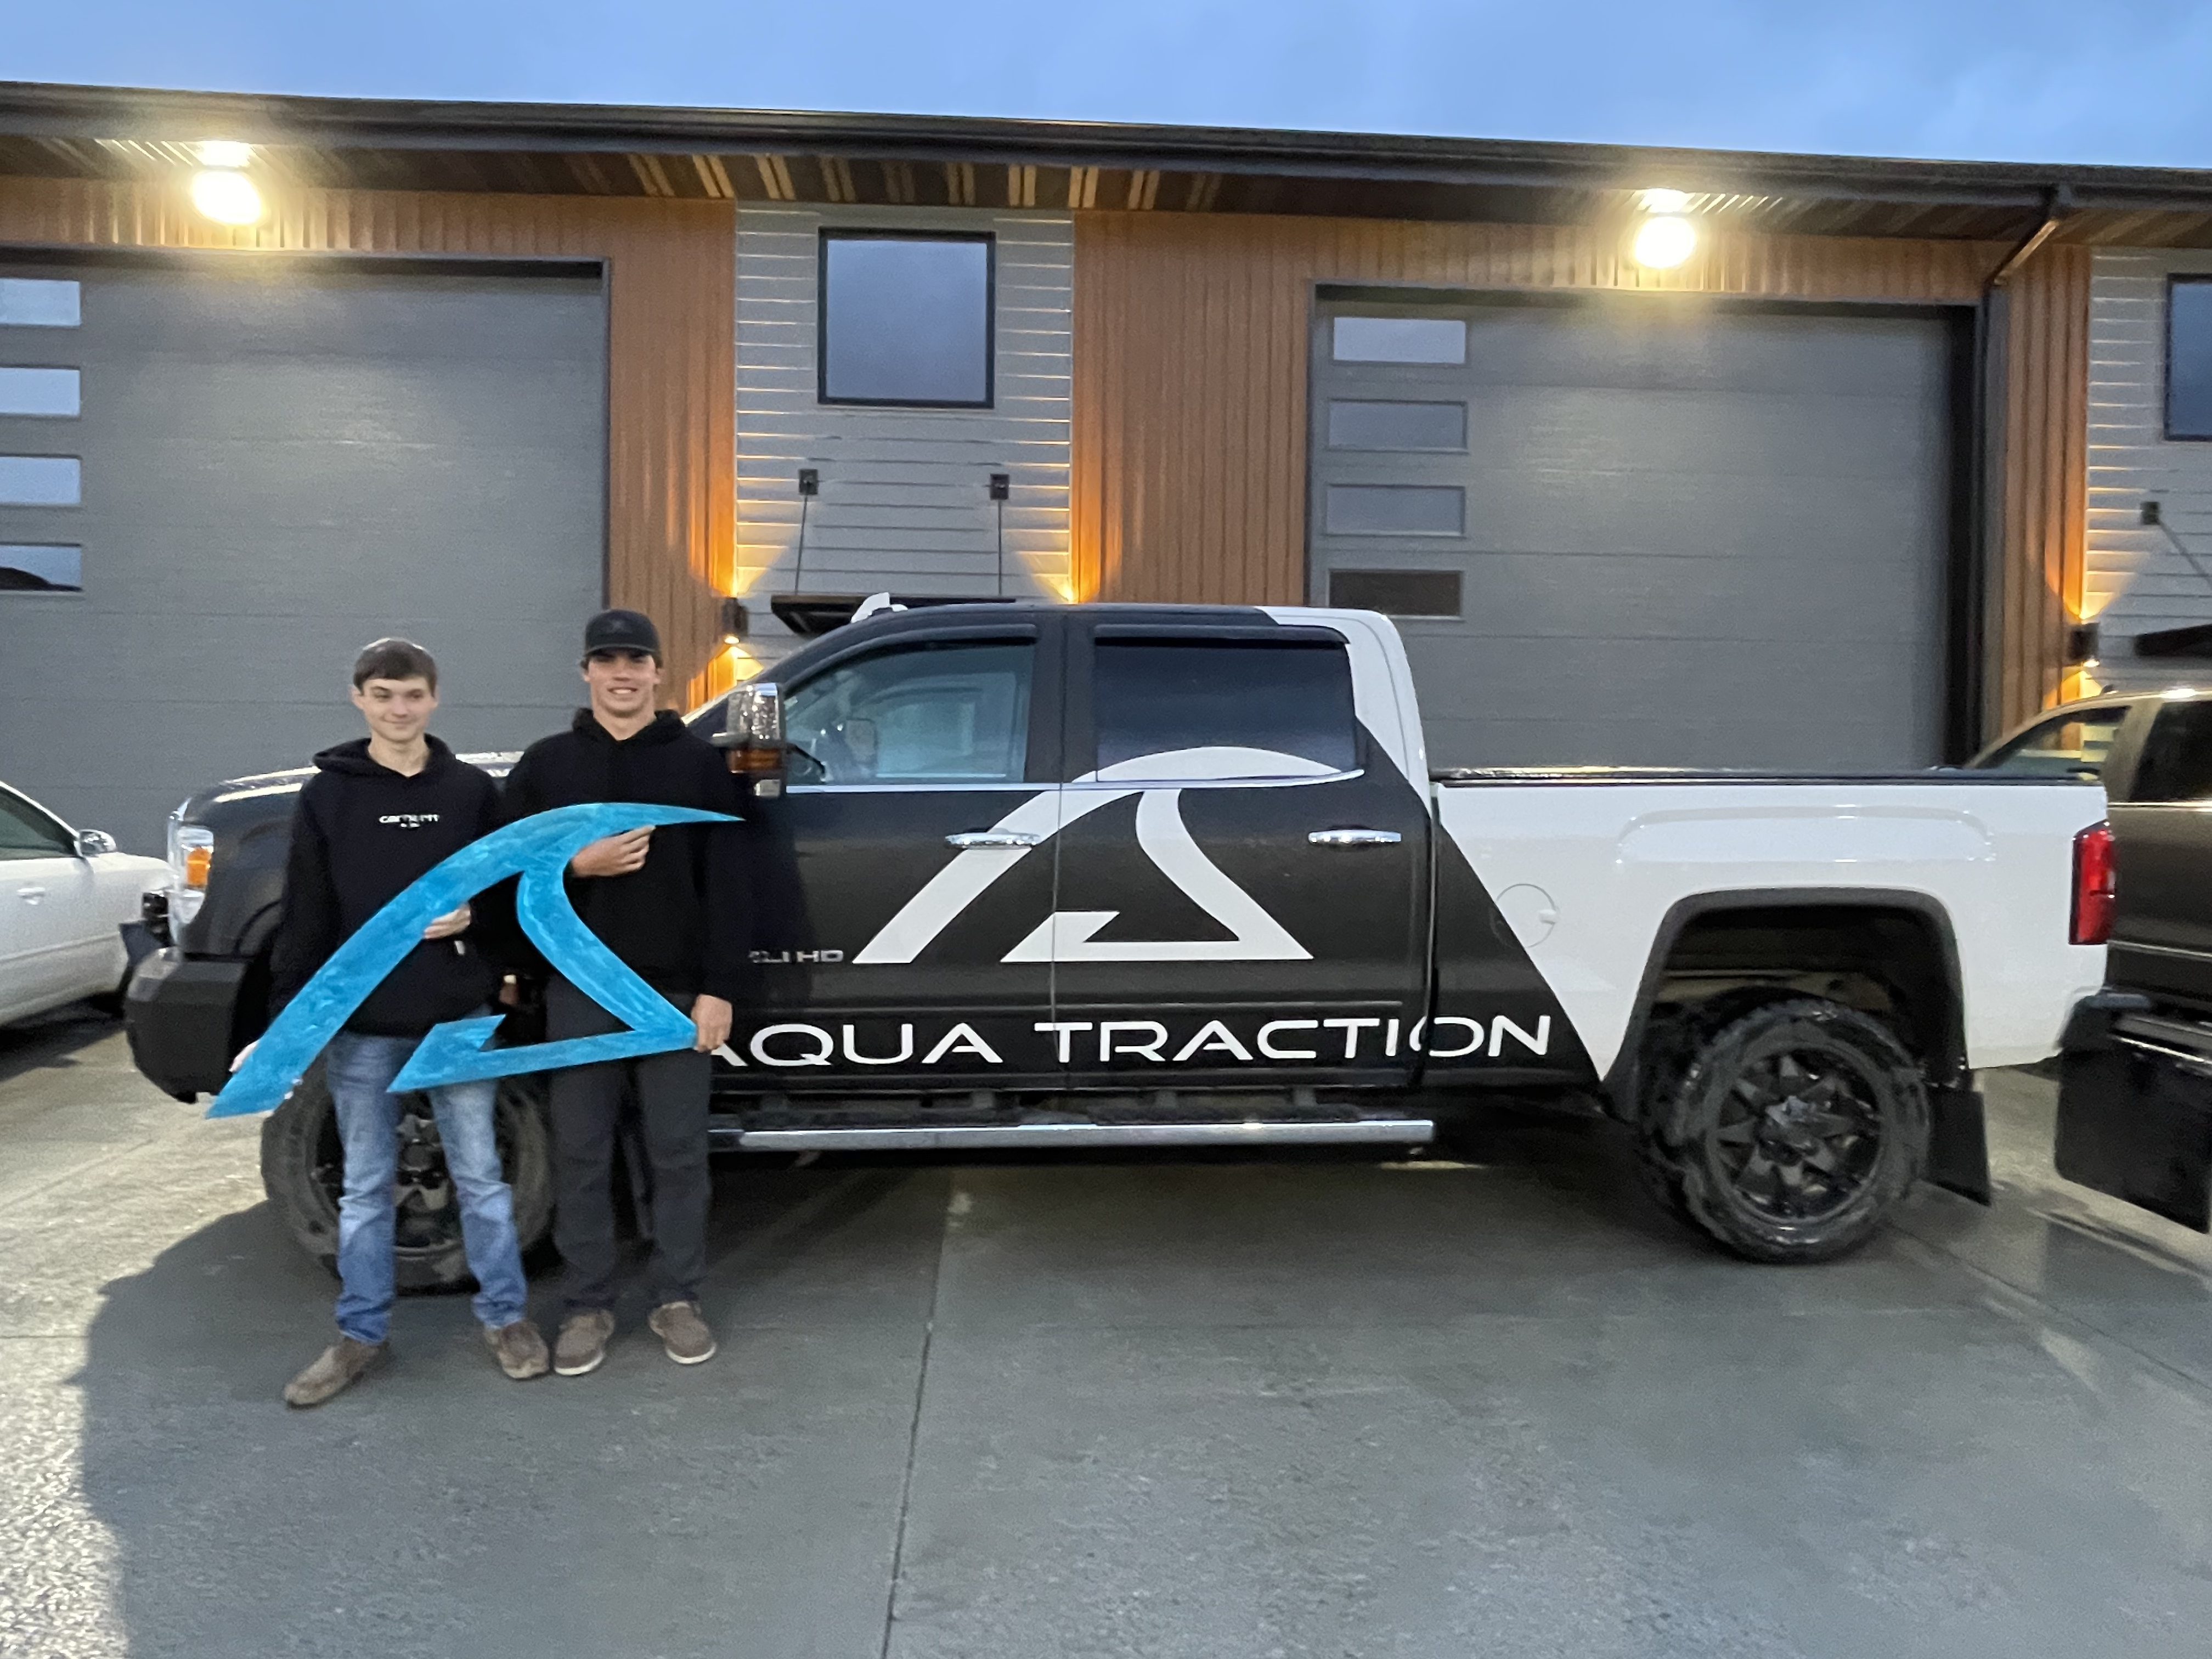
point(360, 834)
point(681, 919)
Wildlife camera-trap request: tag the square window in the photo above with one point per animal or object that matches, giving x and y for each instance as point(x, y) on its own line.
point(906, 320)
point(2189, 357)
point(39, 481)
point(40, 568)
point(1398, 340)
point(39, 302)
point(40, 392)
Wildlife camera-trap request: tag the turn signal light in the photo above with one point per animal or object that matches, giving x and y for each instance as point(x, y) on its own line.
point(196, 860)
point(2094, 885)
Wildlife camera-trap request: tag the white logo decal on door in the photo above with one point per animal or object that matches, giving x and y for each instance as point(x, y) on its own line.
point(1068, 935)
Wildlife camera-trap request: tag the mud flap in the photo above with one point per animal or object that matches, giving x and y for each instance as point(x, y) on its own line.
point(2135, 1110)
point(1959, 1142)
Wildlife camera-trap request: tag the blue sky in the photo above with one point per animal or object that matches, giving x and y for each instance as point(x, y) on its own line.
point(2098, 81)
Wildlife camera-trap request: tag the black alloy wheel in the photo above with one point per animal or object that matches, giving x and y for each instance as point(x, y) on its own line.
point(1789, 1132)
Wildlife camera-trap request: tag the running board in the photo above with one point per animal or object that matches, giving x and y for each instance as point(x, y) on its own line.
point(958, 1137)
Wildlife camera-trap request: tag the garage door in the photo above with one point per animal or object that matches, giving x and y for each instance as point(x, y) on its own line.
point(1645, 531)
point(219, 480)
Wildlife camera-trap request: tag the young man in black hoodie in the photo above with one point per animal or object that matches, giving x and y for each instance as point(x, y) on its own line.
point(380, 812)
point(669, 902)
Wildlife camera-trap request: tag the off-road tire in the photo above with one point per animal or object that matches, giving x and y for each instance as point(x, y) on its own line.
point(302, 1168)
point(1726, 1129)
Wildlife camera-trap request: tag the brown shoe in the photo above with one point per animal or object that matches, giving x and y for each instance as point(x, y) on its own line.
point(519, 1349)
point(582, 1343)
point(339, 1368)
point(683, 1333)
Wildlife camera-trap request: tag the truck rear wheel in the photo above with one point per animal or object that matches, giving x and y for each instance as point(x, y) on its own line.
point(303, 1169)
point(1787, 1133)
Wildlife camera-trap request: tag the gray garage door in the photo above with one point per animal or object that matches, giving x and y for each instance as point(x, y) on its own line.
point(1646, 530)
point(219, 479)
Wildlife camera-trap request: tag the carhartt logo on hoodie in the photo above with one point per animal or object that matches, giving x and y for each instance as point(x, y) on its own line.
point(409, 820)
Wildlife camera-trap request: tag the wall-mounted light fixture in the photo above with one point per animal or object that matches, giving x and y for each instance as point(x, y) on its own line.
point(1667, 237)
point(735, 620)
point(220, 188)
point(2081, 644)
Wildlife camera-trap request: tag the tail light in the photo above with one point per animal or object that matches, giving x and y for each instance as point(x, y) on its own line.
point(2094, 887)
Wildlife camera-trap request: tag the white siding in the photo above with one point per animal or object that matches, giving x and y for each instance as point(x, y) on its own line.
point(2135, 580)
point(904, 500)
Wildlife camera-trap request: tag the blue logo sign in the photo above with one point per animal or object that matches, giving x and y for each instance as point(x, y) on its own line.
point(538, 850)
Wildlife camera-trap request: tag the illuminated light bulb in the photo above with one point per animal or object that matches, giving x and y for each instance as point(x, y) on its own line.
point(224, 153)
point(1664, 242)
point(227, 197)
point(1655, 201)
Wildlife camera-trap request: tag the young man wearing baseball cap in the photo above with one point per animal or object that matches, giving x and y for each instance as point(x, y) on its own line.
point(668, 902)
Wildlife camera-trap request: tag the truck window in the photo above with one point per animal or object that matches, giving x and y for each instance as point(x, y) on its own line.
point(949, 712)
point(2177, 757)
point(1154, 697)
point(2071, 747)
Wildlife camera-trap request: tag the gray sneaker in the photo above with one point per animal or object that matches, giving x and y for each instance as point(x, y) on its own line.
point(519, 1348)
point(335, 1370)
point(682, 1332)
point(582, 1343)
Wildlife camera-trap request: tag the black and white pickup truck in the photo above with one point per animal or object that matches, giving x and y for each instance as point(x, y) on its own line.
point(1137, 876)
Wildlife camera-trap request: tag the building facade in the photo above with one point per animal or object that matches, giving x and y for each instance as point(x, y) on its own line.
point(1854, 476)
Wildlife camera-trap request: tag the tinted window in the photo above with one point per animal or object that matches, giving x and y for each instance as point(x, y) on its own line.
point(2177, 757)
point(2070, 747)
point(2189, 358)
point(906, 320)
point(42, 567)
point(27, 833)
point(1396, 592)
point(1156, 696)
point(957, 712)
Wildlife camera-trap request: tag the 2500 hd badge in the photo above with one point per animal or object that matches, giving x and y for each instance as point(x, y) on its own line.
point(1138, 875)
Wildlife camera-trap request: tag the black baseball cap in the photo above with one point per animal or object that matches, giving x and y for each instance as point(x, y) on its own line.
point(622, 630)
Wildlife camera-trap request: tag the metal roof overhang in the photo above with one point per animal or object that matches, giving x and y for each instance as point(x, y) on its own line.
point(392, 143)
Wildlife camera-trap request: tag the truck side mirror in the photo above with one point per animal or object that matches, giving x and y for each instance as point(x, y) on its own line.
point(91, 843)
point(752, 737)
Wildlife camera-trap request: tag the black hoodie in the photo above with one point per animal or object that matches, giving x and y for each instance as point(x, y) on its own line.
point(360, 834)
point(680, 919)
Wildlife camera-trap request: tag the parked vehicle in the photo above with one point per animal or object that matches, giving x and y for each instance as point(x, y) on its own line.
point(66, 898)
point(2135, 1111)
point(1117, 876)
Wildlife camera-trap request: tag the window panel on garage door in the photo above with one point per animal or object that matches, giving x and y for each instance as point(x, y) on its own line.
point(265, 469)
point(1689, 536)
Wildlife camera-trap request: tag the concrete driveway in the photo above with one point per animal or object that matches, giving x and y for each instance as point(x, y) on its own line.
point(1032, 1410)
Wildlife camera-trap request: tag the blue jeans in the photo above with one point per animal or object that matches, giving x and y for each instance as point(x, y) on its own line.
point(361, 1068)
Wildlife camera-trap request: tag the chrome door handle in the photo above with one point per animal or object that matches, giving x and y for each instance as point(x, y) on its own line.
point(968, 838)
point(30, 894)
point(1354, 838)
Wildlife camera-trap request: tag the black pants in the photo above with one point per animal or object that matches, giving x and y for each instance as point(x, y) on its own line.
point(671, 1100)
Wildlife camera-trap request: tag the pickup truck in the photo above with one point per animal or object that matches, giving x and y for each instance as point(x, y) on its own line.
point(1157, 876)
point(2134, 1104)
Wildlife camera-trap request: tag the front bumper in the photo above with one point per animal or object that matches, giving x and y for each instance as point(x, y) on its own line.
point(180, 1013)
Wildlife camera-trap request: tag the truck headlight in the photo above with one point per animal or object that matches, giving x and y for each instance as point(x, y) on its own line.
point(191, 860)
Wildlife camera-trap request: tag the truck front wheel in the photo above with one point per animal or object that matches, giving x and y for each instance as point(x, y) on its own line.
point(303, 1171)
point(1788, 1132)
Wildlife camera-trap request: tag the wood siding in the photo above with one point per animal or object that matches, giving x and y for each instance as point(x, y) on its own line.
point(904, 500)
point(670, 437)
point(1191, 385)
point(2038, 488)
point(2134, 580)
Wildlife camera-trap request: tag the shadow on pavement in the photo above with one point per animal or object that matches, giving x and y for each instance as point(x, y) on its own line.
point(52, 1038)
point(746, 1507)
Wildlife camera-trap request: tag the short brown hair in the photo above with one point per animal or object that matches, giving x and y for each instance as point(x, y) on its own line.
point(394, 660)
